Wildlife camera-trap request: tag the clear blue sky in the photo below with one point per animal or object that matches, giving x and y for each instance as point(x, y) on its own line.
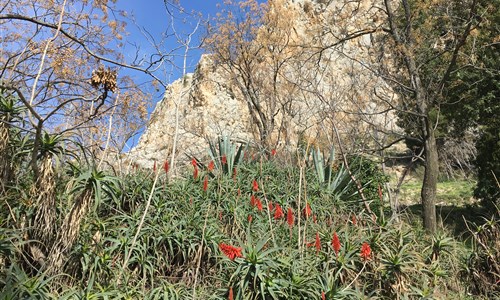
point(151, 16)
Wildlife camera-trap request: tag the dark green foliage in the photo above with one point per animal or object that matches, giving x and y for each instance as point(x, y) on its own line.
point(475, 103)
point(371, 177)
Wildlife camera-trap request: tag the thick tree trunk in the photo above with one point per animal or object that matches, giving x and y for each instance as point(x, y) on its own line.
point(429, 185)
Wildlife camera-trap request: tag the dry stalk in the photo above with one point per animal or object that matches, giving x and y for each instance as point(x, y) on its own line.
point(45, 215)
point(69, 231)
point(42, 60)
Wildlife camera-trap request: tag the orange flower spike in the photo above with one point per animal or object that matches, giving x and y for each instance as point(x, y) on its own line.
point(166, 166)
point(230, 297)
point(307, 211)
point(255, 186)
point(224, 159)
point(258, 203)
point(205, 184)
point(290, 219)
point(211, 166)
point(278, 212)
point(270, 206)
point(336, 243)
point(230, 251)
point(194, 163)
point(249, 218)
point(253, 201)
point(195, 173)
point(273, 152)
point(366, 251)
point(317, 243)
point(323, 296)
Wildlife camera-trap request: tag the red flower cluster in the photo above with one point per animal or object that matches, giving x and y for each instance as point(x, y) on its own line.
point(205, 184)
point(336, 243)
point(195, 171)
point(273, 152)
point(230, 251)
point(307, 211)
point(166, 166)
point(230, 297)
point(366, 251)
point(211, 166)
point(255, 202)
point(224, 159)
point(290, 219)
point(258, 204)
point(255, 186)
point(317, 243)
point(278, 212)
point(323, 296)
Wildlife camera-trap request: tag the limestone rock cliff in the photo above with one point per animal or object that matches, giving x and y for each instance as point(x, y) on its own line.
point(336, 88)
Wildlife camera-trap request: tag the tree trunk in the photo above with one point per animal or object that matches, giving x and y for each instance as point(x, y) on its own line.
point(429, 186)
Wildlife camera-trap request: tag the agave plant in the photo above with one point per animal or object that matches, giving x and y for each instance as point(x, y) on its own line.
point(226, 155)
point(323, 169)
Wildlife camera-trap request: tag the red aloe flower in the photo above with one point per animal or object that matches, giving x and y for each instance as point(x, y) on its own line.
point(258, 203)
point(336, 243)
point(249, 218)
point(255, 186)
point(166, 166)
point(224, 159)
point(289, 217)
point(253, 201)
point(205, 184)
point(230, 251)
point(230, 297)
point(195, 172)
point(317, 243)
point(366, 251)
point(194, 163)
point(270, 206)
point(273, 152)
point(323, 296)
point(278, 212)
point(211, 166)
point(307, 211)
